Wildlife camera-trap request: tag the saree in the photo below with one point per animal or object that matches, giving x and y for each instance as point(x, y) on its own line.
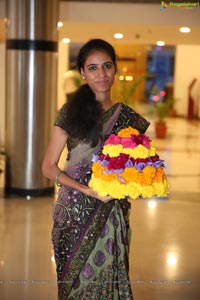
point(90, 237)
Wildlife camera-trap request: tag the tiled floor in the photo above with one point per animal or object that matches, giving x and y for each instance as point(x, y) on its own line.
point(165, 245)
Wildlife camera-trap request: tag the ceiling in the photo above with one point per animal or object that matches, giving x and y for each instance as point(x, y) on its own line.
point(141, 24)
point(116, 1)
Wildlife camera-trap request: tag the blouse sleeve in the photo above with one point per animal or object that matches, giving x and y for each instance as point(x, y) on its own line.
point(61, 117)
point(134, 119)
point(140, 123)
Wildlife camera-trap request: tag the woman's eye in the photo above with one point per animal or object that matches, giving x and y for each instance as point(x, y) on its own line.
point(92, 68)
point(108, 65)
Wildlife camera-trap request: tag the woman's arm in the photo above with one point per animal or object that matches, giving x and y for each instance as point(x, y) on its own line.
point(50, 164)
point(54, 149)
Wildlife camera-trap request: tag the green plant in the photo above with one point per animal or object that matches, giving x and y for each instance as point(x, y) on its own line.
point(160, 110)
point(127, 90)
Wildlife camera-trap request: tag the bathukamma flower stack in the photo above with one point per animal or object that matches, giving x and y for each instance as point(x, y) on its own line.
point(129, 167)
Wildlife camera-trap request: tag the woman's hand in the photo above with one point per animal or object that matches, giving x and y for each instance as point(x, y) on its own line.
point(91, 193)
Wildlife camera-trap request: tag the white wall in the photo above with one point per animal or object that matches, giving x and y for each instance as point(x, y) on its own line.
point(187, 67)
point(2, 94)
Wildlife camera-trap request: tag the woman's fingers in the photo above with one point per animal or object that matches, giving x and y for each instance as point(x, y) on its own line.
point(94, 194)
point(105, 199)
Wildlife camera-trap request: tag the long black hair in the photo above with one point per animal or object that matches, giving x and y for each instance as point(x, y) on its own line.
point(83, 111)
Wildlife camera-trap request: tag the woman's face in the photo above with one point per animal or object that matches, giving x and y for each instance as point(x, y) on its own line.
point(99, 71)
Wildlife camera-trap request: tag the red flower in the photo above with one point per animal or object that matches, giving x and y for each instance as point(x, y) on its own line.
point(141, 139)
point(118, 162)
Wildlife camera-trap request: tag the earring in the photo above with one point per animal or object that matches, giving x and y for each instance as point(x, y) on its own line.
point(83, 77)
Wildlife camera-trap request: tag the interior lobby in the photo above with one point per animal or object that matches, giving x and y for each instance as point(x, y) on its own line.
point(164, 249)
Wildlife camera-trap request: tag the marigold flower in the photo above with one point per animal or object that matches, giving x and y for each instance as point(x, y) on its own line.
point(97, 168)
point(160, 175)
point(130, 174)
point(127, 132)
point(138, 152)
point(112, 150)
point(149, 174)
point(108, 177)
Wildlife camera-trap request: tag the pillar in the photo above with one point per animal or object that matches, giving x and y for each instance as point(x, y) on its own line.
point(31, 92)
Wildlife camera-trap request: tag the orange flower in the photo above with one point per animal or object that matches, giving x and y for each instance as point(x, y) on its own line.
point(97, 169)
point(149, 174)
point(160, 175)
point(146, 177)
point(141, 179)
point(108, 177)
point(130, 174)
point(126, 132)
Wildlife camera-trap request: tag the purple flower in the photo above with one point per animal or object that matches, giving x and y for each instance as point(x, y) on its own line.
point(128, 164)
point(140, 166)
point(121, 179)
point(95, 158)
point(117, 171)
point(104, 163)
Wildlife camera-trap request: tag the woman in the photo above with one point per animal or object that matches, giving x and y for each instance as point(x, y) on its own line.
point(90, 233)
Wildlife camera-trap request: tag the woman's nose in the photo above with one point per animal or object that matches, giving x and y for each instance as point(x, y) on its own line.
point(101, 72)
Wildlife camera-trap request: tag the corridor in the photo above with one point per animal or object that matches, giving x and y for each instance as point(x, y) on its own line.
point(164, 251)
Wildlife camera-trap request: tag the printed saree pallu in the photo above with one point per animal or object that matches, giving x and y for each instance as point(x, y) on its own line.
point(90, 237)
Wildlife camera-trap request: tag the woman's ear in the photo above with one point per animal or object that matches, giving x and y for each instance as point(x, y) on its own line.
point(83, 74)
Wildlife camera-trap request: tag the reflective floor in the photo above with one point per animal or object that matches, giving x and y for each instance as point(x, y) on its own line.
point(165, 244)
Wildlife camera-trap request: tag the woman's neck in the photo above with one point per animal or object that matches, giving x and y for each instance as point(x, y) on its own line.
point(105, 100)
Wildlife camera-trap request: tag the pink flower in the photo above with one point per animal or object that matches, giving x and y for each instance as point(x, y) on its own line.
point(128, 143)
point(113, 140)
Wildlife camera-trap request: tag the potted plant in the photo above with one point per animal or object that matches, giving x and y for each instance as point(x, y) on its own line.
point(161, 111)
point(128, 89)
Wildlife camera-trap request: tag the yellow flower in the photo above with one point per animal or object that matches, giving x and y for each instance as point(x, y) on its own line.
point(116, 190)
point(138, 152)
point(98, 185)
point(133, 190)
point(147, 191)
point(152, 151)
point(112, 150)
point(126, 132)
point(161, 188)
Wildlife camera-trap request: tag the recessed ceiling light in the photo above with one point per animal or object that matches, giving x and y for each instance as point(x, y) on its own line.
point(60, 24)
point(160, 43)
point(118, 35)
point(66, 40)
point(184, 29)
